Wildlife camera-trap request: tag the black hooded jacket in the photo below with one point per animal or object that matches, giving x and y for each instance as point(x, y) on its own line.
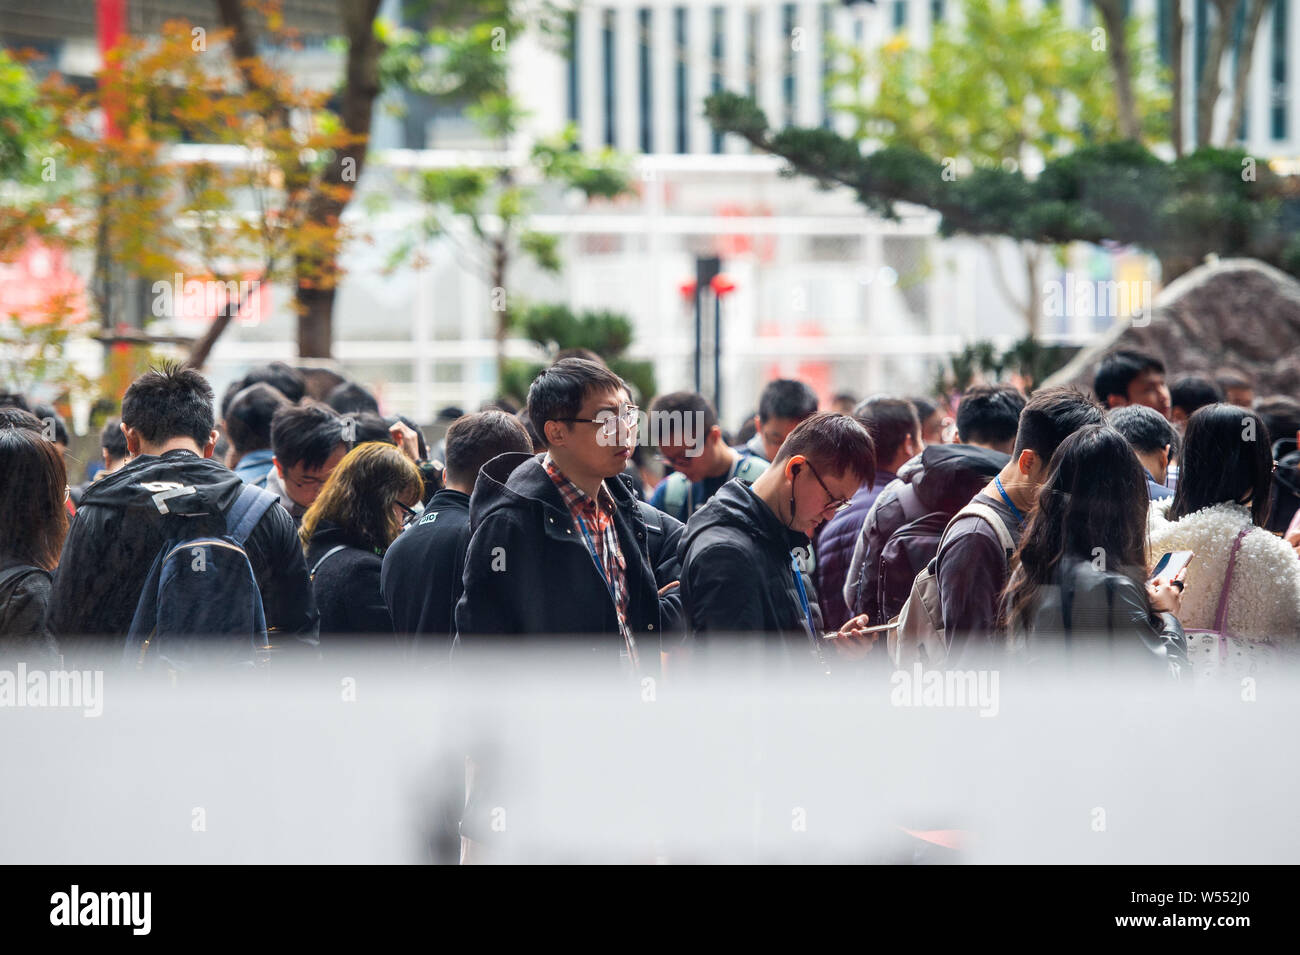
point(943, 478)
point(119, 529)
point(528, 570)
point(738, 576)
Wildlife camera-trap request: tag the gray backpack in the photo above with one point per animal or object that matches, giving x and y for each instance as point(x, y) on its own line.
point(918, 634)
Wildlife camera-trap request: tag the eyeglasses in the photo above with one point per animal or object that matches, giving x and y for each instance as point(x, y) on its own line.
point(609, 420)
point(408, 514)
point(838, 504)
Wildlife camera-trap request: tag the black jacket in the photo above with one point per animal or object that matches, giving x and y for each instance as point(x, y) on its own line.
point(24, 597)
point(737, 573)
point(423, 573)
point(1093, 616)
point(528, 570)
point(119, 529)
point(346, 584)
point(943, 478)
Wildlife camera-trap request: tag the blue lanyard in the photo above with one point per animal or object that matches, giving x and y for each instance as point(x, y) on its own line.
point(803, 595)
point(591, 549)
point(1020, 518)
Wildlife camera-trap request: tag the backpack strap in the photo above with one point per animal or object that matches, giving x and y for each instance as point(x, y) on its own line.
point(749, 468)
point(991, 517)
point(326, 556)
point(249, 508)
point(15, 574)
point(1221, 615)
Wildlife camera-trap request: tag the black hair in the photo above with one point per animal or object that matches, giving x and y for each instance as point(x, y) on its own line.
point(890, 421)
point(1144, 428)
point(450, 413)
point(283, 378)
point(1227, 378)
point(169, 401)
point(559, 391)
point(1118, 369)
point(474, 440)
point(1192, 391)
point(683, 403)
point(13, 399)
point(500, 404)
point(539, 445)
point(1281, 416)
point(1225, 455)
point(306, 434)
point(1052, 415)
point(48, 416)
point(835, 444)
point(989, 414)
point(11, 416)
point(248, 420)
point(112, 440)
point(349, 398)
point(1093, 496)
point(924, 408)
point(786, 398)
point(365, 426)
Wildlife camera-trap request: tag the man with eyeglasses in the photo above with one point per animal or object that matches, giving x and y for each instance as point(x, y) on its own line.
point(691, 441)
point(740, 553)
point(560, 544)
point(308, 443)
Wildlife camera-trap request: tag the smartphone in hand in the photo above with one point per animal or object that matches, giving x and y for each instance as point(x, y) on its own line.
point(1171, 564)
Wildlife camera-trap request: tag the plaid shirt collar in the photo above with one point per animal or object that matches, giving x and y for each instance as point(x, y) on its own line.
point(576, 499)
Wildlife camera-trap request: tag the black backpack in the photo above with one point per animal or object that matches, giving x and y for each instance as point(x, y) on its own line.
point(908, 551)
point(200, 606)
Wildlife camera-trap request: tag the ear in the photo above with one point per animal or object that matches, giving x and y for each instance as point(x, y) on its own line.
point(792, 465)
point(553, 432)
point(1116, 401)
point(132, 440)
point(758, 425)
point(1164, 455)
point(279, 468)
point(211, 446)
point(714, 435)
point(104, 453)
point(1026, 462)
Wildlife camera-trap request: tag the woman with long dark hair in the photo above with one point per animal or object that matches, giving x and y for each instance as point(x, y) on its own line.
point(1243, 587)
point(33, 523)
point(1078, 587)
point(360, 511)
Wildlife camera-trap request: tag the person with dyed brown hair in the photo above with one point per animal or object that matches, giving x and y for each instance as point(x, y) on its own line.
point(365, 504)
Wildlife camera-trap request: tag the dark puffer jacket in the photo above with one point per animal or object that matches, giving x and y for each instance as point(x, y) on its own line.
point(346, 585)
point(528, 570)
point(835, 542)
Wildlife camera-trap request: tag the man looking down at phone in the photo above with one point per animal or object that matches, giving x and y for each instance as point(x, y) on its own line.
point(740, 552)
point(1078, 591)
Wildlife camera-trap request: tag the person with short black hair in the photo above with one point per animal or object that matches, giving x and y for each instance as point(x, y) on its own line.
point(248, 426)
point(783, 403)
point(741, 571)
point(1219, 512)
point(14, 399)
point(1189, 393)
point(170, 487)
point(1129, 377)
point(1238, 388)
point(307, 442)
point(843, 402)
point(584, 557)
point(895, 428)
point(701, 464)
point(350, 398)
point(52, 425)
point(971, 565)
point(933, 421)
point(112, 447)
point(1154, 441)
point(423, 570)
point(1281, 415)
point(282, 377)
point(928, 491)
point(11, 416)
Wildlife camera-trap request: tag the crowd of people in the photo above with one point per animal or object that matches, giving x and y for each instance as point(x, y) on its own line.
point(992, 526)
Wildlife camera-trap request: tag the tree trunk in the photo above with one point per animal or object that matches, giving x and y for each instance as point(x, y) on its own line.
point(1112, 16)
point(315, 321)
point(1207, 95)
point(1241, 76)
point(1176, 68)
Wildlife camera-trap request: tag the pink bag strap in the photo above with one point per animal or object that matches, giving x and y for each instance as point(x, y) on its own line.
point(1221, 615)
